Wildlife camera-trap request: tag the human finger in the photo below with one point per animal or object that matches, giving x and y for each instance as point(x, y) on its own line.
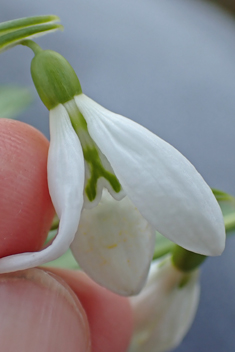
point(26, 210)
point(39, 312)
point(109, 315)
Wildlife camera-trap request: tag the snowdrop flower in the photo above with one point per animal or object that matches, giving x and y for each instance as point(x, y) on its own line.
point(148, 186)
point(164, 311)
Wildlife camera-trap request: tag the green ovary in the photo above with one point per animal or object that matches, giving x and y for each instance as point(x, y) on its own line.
point(97, 170)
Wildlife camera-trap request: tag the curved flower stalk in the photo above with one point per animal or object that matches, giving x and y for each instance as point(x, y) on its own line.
point(151, 186)
point(165, 309)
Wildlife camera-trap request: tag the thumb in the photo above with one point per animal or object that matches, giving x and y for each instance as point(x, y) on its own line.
point(39, 312)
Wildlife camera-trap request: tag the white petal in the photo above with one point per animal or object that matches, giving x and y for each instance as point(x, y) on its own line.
point(159, 180)
point(164, 311)
point(114, 245)
point(66, 181)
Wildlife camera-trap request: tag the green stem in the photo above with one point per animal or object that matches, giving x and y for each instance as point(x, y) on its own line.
point(161, 250)
point(32, 45)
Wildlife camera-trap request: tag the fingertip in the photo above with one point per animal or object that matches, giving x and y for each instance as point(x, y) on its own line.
point(26, 210)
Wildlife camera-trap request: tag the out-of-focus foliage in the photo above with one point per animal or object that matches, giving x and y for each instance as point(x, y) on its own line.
point(13, 100)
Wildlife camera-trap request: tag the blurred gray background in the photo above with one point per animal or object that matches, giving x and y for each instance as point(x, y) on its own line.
point(169, 65)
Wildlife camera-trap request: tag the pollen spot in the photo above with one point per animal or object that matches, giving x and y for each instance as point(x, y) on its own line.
point(104, 262)
point(112, 246)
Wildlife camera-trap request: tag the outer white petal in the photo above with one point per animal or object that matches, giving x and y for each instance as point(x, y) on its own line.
point(114, 245)
point(66, 181)
point(163, 312)
point(159, 180)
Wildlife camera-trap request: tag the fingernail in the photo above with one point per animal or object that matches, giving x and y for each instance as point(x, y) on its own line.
point(38, 312)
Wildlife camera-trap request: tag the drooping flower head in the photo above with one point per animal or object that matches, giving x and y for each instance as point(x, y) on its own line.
point(165, 309)
point(113, 183)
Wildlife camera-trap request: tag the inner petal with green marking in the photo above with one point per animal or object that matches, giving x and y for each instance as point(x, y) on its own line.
point(99, 172)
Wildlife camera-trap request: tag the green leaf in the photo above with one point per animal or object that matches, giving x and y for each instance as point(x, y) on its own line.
point(15, 31)
point(228, 210)
point(227, 205)
point(13, 100)
point(222, 196)
point(20, 23)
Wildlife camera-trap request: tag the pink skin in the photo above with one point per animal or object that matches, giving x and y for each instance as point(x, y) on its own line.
point(25, 204)
point(52, 309)
point(109, 315)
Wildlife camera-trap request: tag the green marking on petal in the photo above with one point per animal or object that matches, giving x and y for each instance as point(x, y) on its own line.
point(97, 170)
point(91, 153)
